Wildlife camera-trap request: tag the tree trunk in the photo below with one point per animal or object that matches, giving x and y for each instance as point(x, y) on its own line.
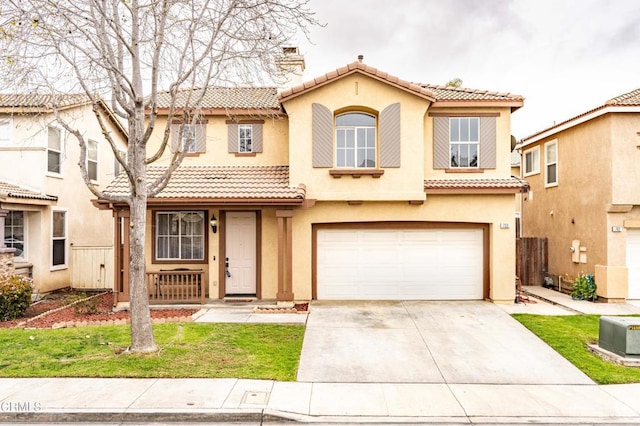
point(141, 332)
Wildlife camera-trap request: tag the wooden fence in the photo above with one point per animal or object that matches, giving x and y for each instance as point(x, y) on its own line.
point(531, 260)
point(92, 268)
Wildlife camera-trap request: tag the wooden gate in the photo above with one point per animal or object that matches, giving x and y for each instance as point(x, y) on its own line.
point(531, 260)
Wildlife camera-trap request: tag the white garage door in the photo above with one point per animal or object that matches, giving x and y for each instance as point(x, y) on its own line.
point(633, 263)
point(392, 264)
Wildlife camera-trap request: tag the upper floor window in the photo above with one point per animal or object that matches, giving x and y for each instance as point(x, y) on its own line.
point(356, 140)
point(551, 163)
point(188, 138)
point(92, 160)
point(14, 233)
point(245, 137)
point(5, 132)
point(464, 139)
point(54, 150)
point(532, 161)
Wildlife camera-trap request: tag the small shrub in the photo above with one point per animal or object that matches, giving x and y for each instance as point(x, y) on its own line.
point(15, 296)
point(584, 288)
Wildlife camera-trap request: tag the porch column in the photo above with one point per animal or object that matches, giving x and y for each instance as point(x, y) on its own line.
point(121, 253)
point(285, 266)
point(6, 254)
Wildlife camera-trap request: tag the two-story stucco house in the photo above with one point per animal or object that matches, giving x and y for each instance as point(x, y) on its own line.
point(584, 175)
point(353, 185)
point(46, 215)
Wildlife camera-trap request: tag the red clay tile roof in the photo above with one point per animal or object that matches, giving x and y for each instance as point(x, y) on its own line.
point(351, 69)
point(220, 182)
point(628, 99)
point(448, 93)
point(33, 100)
point(225, 97)
point(14, 191)
point(513, 183)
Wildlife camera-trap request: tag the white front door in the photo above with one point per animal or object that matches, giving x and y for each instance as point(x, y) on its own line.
point(633, 263)
point(240, 253)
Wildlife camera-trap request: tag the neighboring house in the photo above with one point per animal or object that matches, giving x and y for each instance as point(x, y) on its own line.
point(354, 185)
point(584, 175)
point(47, 216)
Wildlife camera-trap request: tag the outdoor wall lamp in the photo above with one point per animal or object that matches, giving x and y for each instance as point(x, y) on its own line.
point(214, 223)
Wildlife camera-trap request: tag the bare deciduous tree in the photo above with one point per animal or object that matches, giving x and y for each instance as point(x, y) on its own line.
point(127, 51)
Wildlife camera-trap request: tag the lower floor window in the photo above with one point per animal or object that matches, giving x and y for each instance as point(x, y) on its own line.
point(59, 239)
point(180, 235)
point(14, 232)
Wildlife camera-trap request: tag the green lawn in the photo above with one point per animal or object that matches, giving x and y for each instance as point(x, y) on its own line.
point(257, 351)
point(569, 336)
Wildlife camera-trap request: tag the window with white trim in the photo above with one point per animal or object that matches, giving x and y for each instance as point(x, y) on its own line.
point(531, 160)
point(15, 233)
point(551, 163)
point(356, 140)
point(54, 150)
point(92, 159)
point(245, 138)
point(58, 239)
point(464, 140)
point(180, 235)
point(5, 132)
point(188, 138)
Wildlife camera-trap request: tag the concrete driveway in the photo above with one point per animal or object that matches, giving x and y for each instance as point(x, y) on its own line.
point(426, 342)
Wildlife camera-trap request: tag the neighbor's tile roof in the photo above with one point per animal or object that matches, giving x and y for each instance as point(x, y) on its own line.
point(473, 184)
point(448, 93)
point(14, 191)
point(628, 99)
point(220, 182)
point(350, 69)
point(225, 97)
point(33, 100)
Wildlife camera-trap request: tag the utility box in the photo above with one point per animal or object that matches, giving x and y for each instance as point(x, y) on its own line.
point(620, 335)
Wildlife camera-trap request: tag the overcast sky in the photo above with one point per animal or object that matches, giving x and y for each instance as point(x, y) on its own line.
point(564, 56)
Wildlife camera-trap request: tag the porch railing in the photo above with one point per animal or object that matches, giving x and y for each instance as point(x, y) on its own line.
point(176, 286)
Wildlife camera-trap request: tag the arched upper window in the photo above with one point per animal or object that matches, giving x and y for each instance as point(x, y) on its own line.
point(356, 140)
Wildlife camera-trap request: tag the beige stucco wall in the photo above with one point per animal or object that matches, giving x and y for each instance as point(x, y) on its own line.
point(575, 209)
point(354, 92)
point(26, 165)
point(275, 140)
point(625, 158)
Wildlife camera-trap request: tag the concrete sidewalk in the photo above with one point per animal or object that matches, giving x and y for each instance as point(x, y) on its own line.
point(233, 400)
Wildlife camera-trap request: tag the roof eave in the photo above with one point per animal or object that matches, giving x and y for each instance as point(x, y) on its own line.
point(476, 191)
point(513, 104)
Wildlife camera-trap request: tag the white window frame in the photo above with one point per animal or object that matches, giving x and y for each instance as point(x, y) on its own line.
point(25, 254)
point(241, 147)
point(535, 161)
point(59, 152)
point(65, 239)
point(179, 236)
point(96, 160)
point(341, 151)
point(6, 135)
point(189, 144)
point(547, 164)
point(468, 142)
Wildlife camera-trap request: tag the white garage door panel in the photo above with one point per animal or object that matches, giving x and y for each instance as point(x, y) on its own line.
point(416, 264)
point(633, 263)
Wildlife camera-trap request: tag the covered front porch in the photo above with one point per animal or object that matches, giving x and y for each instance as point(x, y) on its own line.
point(234, 243)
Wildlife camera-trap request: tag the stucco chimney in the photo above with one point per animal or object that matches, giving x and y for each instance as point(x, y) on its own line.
point(290, 65)
point(360, 58)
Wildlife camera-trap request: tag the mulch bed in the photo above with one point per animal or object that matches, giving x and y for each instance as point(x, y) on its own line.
point(58, 312)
